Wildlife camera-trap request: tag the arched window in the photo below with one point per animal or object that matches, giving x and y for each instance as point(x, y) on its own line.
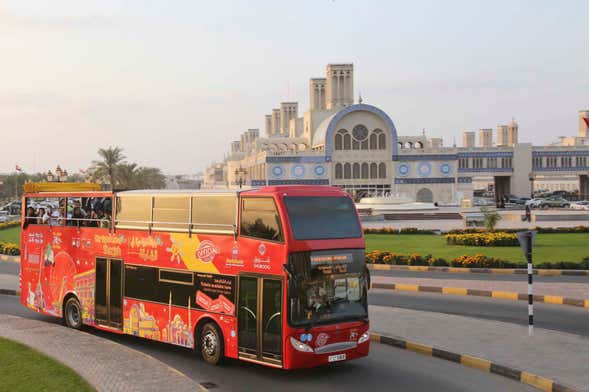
point(339, 139)
point(373, 170)
point(409, 145)
point(364, 170)
point(364, 144)
point(418, 145)
point(347, 171)
point(356, 170)
point(355, 144)
point(347, 141)
point(382, 141)
point(373, 141)
point(382, 170)
point(338, 171)
point(401, 146)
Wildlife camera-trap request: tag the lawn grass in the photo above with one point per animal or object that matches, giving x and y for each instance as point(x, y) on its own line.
point(24, 369)
point(548, 247)
point(11, 234)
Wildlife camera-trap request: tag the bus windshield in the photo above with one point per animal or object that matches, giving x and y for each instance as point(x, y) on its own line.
point(327, 286)
point(321, 218)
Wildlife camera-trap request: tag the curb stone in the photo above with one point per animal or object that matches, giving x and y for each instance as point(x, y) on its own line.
point(537, 381)
point(10, 259)
point(550, 299)
point(463, 270)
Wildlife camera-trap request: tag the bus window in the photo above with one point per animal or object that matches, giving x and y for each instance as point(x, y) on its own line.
point(76, 215)
point(260, 219)
point(171, 212)
point(134, 212)
point(212, 213)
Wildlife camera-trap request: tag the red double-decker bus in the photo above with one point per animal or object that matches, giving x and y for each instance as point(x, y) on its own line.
point(275, 275)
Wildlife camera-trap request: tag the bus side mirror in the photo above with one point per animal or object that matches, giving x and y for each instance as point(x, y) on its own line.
point(234, 232)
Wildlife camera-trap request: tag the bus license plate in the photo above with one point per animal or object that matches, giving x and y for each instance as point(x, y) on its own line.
point(335, 358)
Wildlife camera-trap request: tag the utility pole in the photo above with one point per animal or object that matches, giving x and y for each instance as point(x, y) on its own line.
point(526, 241)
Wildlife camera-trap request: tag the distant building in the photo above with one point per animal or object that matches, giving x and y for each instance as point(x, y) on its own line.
point(356, 146)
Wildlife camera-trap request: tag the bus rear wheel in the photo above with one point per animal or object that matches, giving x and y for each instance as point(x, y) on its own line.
point(211, 344)
point(72, 314)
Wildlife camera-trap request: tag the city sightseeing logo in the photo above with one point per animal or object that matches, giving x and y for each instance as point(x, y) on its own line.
point(207, 251)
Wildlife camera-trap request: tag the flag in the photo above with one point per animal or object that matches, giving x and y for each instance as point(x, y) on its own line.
point(18, 168)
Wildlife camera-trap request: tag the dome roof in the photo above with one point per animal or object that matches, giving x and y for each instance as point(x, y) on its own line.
point(321, 131)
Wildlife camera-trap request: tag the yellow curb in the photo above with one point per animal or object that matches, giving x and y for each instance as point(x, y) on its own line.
point(381, 267)
point(587, 303)
point(10, 259)
point(503, 271)
point(476, 363)
point(375, 337)
point(419, 348)
point(549, 272)
point(406, 287)
point(504, 295)
point(454, 290)
point(421, 268)
point(552, 299)
point(457, 269)
point(539, 382)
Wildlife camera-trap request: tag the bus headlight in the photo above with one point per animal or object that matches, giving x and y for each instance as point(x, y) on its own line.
point(300, 346)
point(365, 337)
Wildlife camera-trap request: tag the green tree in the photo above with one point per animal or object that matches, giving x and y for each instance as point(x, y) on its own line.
point(106, 169)
point(149, 178)
point(492, 217)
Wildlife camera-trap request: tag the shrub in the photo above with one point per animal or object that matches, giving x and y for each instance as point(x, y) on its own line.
point(406, 230)
point(483, 239)
point(8, 248)
point(6, 225)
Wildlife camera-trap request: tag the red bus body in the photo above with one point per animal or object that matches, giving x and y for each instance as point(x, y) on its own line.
point(58, 262)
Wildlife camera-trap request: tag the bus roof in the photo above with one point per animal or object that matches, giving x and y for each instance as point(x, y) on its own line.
point(292, 189)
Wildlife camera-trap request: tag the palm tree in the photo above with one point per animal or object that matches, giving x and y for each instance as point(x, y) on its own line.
point(105, 170)
point(149, 178)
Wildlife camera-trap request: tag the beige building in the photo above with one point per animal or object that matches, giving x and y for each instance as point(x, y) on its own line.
point(355, 146)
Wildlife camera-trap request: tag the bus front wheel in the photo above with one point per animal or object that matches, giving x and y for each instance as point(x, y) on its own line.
point(73, 313)
point(211, 344)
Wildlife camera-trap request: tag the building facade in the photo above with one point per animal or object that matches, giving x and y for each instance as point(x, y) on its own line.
point(356, 146)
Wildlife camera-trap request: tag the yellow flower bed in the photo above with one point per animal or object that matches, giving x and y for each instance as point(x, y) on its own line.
point(483, 239)
point(8, 248)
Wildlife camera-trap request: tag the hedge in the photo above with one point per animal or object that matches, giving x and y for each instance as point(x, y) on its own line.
point(6, 225)
point(483, 239)
point(467, 261)
point(413, 230)
point(8, 248)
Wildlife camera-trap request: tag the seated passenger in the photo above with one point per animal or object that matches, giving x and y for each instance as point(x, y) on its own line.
point(76, 217)
point(30, 217)
point(42, 217)
point(104, 220)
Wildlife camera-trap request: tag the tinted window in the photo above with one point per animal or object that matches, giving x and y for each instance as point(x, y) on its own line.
point(214, 213)
point(260, 219)
point(317, 218)
point(134, 211)
point(171, 212)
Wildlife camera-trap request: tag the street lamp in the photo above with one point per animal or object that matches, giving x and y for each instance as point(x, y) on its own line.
point(240, 173)
point(531, 177)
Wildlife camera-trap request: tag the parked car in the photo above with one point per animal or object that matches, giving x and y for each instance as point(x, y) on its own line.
point(3, 216)
point(534, 203)
point(554, 202)
point(580, 205)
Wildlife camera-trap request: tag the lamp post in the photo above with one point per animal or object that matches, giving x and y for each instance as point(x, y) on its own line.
point(531, 177)
point(240, 173)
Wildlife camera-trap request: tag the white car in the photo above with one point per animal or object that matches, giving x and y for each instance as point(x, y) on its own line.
point(580, 205)
point(534, 203)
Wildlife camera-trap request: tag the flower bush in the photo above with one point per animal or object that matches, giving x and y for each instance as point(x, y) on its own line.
point(6, 225)
point(406, 230)
point(483, 239)
point(8, 248)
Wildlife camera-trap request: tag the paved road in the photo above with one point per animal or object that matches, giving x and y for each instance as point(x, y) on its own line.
point(487, 277)
point(9, 268)
point(386, 369)
point(555, 317)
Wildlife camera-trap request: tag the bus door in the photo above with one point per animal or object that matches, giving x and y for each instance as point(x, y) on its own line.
point(260, 318)
point(109, 292)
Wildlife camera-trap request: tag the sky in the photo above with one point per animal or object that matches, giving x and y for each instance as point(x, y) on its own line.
point(173, 82)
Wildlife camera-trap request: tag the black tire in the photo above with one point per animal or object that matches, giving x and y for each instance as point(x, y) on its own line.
point(210, 345)
point(72, 314)
point(566, 206)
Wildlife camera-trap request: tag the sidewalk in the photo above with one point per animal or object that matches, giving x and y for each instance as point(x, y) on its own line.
point(106, 365)
point(564, 289)
point(555, 355)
